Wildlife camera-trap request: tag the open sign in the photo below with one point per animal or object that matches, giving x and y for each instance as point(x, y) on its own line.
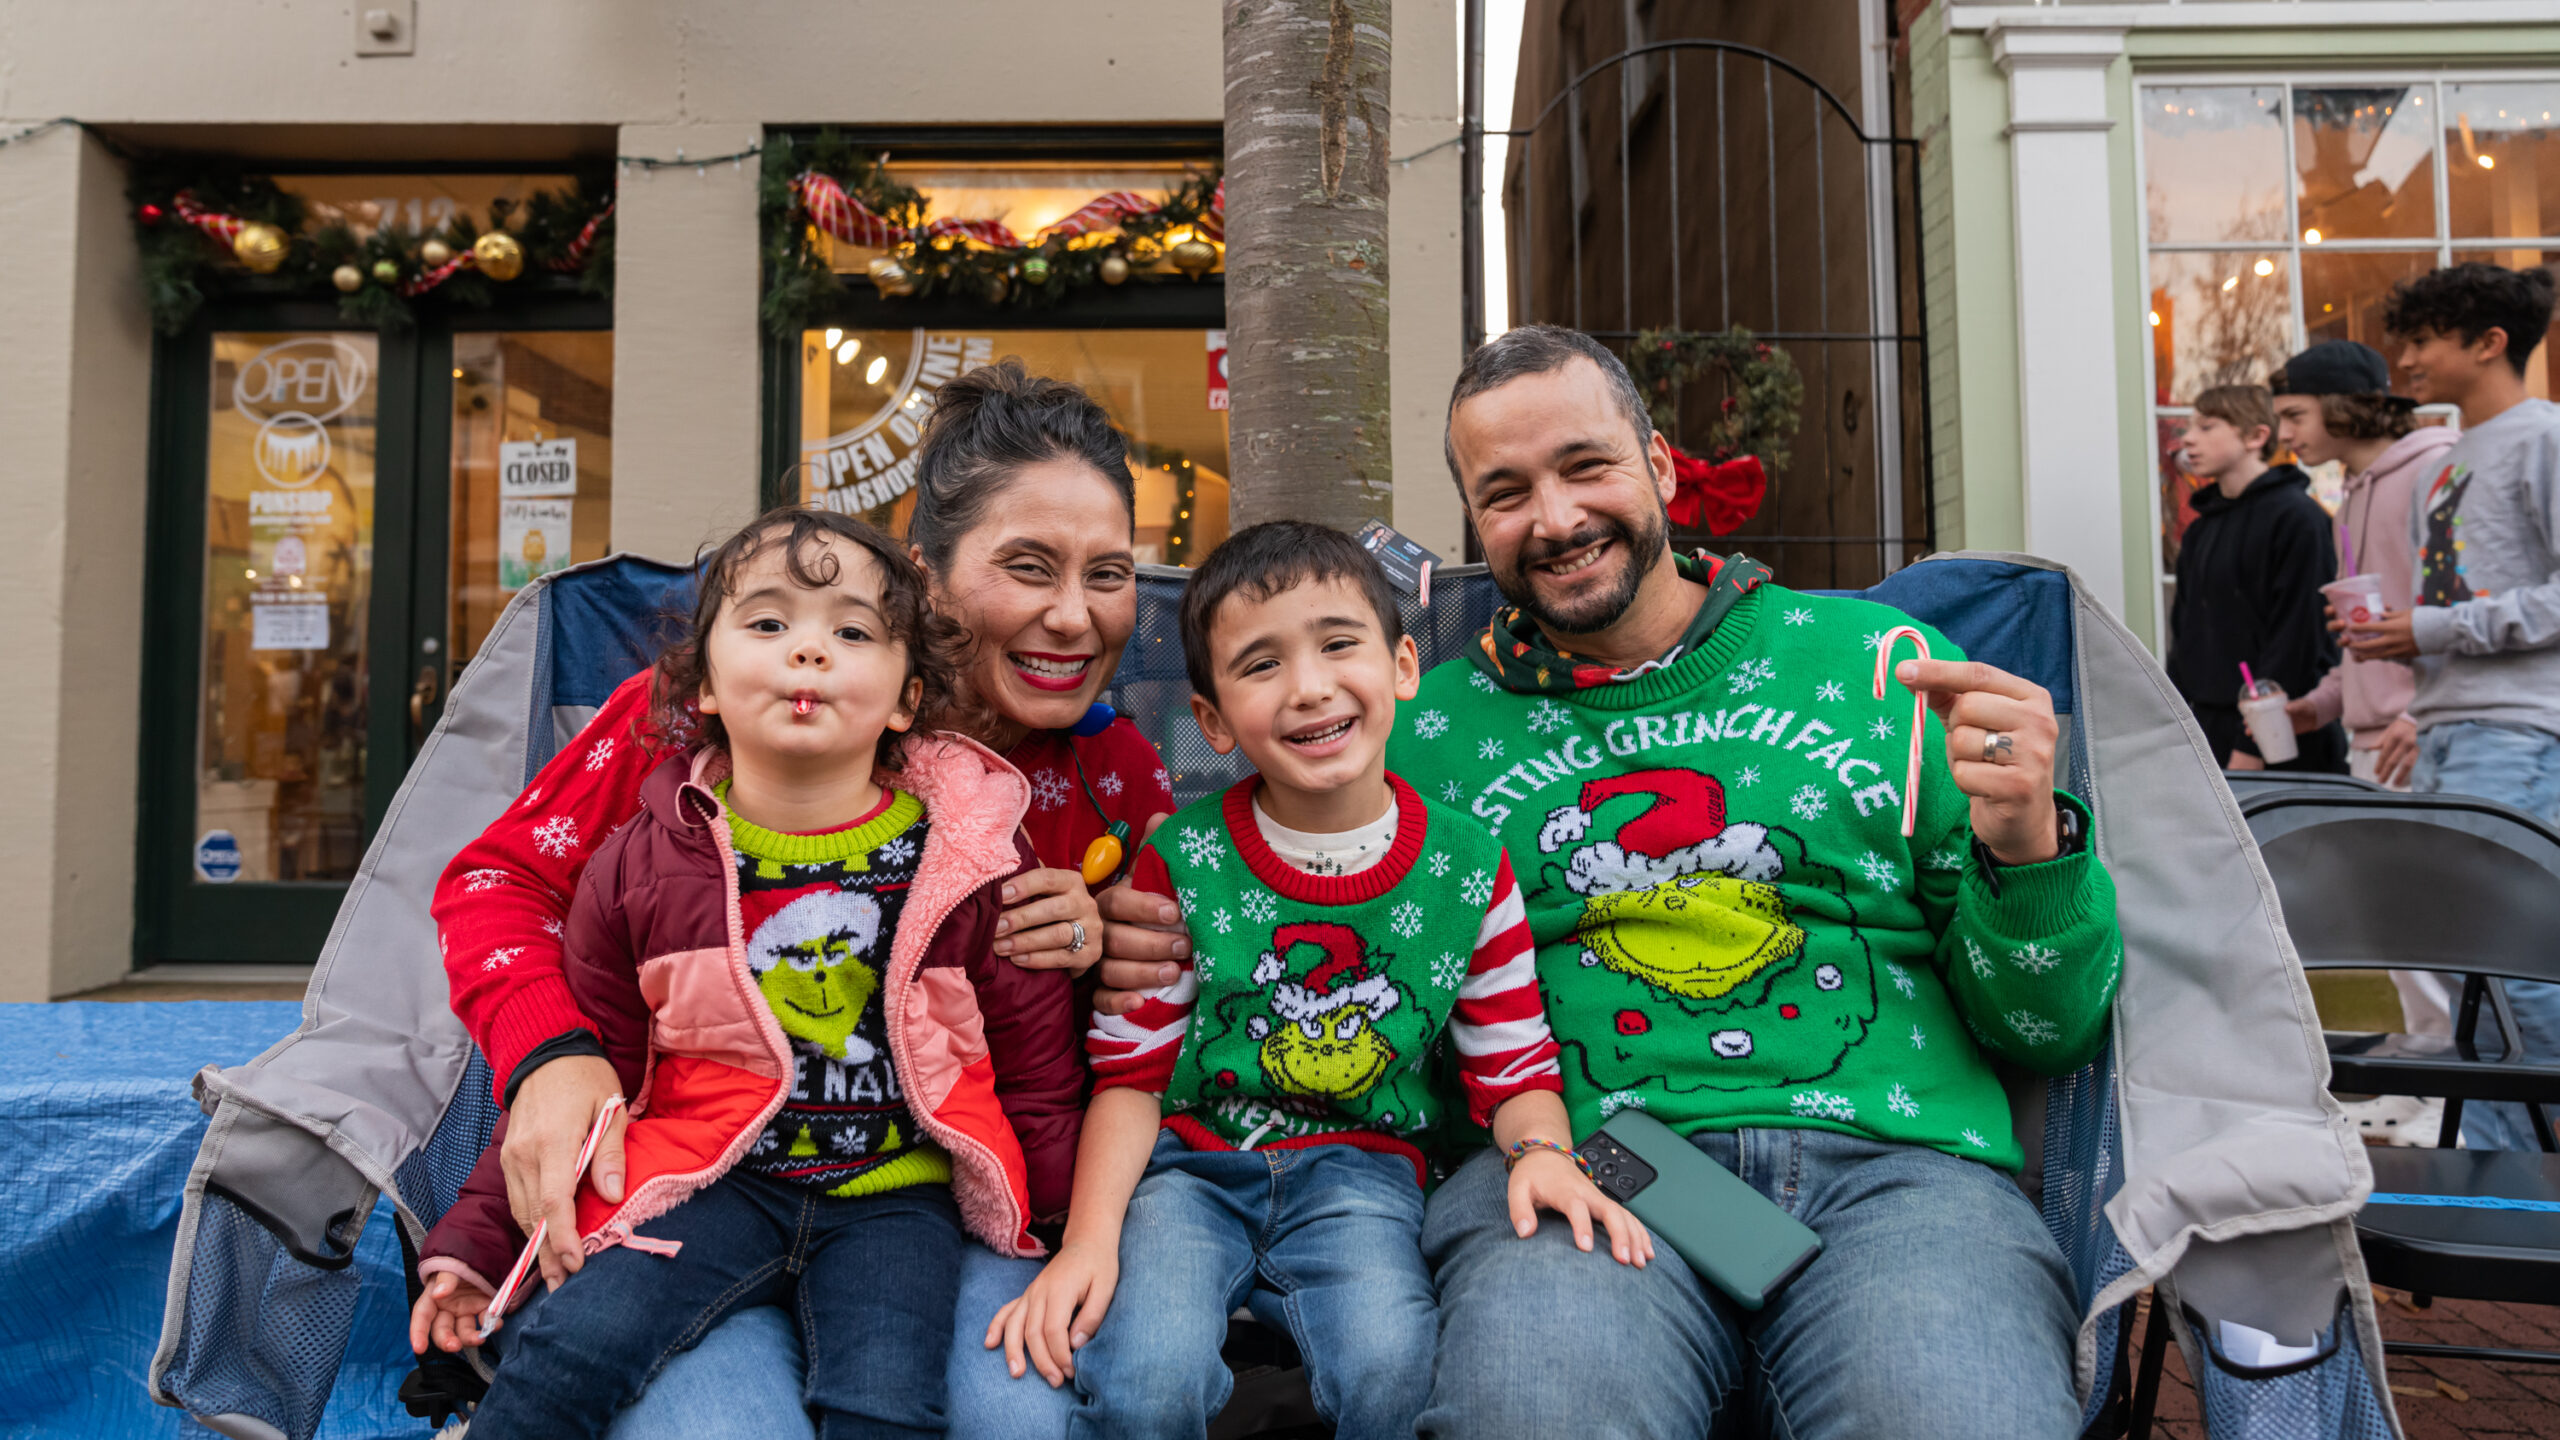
point(529, 469)
point(316, 376)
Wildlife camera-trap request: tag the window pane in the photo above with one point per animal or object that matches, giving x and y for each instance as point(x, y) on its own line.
point(2217, 319)
point(2537, 366)
point(2177, 488)
point(288, 570)
point(2502, 159)
point(532, 465)
point(2213, 162)
point(2344, 293)
point(2365, 160)
point(1026, 197)
point(864, 396)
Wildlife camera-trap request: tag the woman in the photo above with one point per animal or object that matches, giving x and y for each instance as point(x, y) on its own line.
point(1023, 524)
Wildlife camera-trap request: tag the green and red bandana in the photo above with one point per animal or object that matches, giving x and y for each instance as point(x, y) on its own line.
point(1516, 654)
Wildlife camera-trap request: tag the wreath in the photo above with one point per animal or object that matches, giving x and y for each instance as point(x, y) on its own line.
point(1755, 421)
point(224, 231)
point(820, 191)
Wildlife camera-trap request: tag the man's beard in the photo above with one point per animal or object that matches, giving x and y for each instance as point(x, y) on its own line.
point(1598, 611)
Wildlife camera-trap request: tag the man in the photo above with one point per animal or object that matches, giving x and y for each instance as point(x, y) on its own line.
point(1703, 803)
point(2250, 569)
point(2334, 402)
point(2484, 633)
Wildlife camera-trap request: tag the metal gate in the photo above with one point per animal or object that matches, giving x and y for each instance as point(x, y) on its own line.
point(1745, 193)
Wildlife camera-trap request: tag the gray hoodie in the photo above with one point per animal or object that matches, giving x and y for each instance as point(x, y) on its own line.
point(2487, 619)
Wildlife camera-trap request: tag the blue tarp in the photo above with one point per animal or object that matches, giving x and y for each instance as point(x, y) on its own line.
point(98, 1129)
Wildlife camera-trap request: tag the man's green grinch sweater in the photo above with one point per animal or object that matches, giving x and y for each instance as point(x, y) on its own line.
point(1731, 929)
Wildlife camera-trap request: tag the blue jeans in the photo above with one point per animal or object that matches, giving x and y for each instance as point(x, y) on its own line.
point(1325, 1240)
point(2519, 766)
point(871, 1280)
point(1939, 1306)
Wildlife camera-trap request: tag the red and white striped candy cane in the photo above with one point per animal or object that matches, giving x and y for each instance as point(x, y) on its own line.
point(225, 228)
point(575, 257)
point(505, 1299)
point(1919, 713)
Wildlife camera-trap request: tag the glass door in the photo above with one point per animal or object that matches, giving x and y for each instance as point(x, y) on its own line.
point(338, 517)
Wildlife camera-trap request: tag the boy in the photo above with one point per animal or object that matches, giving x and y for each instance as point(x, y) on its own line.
point(2250, 570)
point(1347, 931)
point(2484, 633)
point(2333, 402)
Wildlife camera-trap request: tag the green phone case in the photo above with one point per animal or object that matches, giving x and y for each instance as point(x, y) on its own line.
point(1731, 1234)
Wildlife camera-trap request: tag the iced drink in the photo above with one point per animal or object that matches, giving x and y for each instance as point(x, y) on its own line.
point(2262, 710)
point(2357, 599)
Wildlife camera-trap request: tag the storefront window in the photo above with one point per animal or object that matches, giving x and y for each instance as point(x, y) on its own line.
point(2389, 178)
point(532, 465)
point(865, 395)
point(288, 596)
point(418, 203)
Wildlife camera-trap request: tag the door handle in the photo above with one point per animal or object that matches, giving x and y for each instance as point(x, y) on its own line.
point(422, 695)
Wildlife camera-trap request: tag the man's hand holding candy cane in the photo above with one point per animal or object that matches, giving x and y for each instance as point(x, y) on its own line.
point(2000, 742)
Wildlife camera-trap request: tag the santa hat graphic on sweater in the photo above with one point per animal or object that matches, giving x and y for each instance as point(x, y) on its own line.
point(1341, 979)
point(1681, 831)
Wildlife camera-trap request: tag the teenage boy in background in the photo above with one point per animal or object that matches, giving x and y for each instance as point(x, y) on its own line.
point(2250, 570)
point(2334, 402)
point(2484, 633)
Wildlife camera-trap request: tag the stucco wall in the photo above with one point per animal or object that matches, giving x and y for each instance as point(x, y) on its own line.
point(281, 79)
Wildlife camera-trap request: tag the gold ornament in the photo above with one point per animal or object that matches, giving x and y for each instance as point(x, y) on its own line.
point(259, 246)
point(434, 253)
point(500, 257)
point(1113, 269)
point(386, 271)
point(1144, 251)
point(891, 278)
point(1035, 271)
point(997, 286)
point(347, 278)
point(1194, 257)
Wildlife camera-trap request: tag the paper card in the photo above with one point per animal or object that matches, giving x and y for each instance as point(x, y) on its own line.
point(1400, 555)
point(533, 539)
point(1217, 369)
point(289, 625)
point(533, 468)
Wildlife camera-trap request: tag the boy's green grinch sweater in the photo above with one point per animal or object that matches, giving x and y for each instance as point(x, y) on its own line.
point(1731, 929)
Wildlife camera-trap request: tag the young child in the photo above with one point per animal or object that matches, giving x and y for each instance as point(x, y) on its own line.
point(2250, 569)
point(1257, 1129)
point(787, 959)
point(2484, 633)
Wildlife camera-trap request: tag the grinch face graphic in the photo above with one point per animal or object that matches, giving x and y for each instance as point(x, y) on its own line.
point(1688, 915)
point(1321, 1038)
point(805, 958)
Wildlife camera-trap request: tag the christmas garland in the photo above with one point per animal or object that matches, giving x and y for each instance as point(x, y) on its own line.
point(1763, 393)
point(824, 186)
point(224, 230)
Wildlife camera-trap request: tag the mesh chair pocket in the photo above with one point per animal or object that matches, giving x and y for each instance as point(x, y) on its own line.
point(2328, 1396)
point(263, 1333)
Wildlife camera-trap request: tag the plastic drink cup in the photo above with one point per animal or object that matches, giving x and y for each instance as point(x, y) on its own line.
point(2357, 598)
point(2262, 710)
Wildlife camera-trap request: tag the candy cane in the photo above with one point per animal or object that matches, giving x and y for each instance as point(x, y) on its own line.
point(499, 1302)
point(1919, 711)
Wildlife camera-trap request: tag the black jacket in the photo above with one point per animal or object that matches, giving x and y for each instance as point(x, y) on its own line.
point(2249, 578)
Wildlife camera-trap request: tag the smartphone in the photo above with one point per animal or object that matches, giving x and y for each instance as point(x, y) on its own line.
point(1733, 1236)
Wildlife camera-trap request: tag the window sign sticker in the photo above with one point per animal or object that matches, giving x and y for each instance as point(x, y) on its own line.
point(289, 625)
point(218, 857)
point(534, 469)
point(533, 539)
point(1217, 369)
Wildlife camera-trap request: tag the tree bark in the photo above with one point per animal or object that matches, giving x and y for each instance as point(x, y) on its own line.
point(1306, 90)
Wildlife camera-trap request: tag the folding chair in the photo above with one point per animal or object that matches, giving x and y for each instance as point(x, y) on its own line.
point(2200, 1153)
point(2462, 1224)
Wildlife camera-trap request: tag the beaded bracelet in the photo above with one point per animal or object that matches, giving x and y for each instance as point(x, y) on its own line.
point(1511, 1157)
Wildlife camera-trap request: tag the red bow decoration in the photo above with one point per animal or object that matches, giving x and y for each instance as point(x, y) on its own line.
point(1716, 497)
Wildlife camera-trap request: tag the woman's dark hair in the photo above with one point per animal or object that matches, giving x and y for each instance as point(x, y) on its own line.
point(988, 424)
point(2472, 299)
point(808, 540)
point(2357, 417)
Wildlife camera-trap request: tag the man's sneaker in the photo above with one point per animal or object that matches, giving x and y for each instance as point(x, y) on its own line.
point(2397, 1119)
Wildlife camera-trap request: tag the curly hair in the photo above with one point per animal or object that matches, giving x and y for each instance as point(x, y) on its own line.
point(807, 539)
point(2359, 417)
point(2472, 299)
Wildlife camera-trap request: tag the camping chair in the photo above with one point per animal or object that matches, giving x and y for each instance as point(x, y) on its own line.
point(2200, 1153)
point(2465, 1224)
point(2247, 783)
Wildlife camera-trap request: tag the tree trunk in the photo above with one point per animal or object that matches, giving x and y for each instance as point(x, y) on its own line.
point(1307, 259)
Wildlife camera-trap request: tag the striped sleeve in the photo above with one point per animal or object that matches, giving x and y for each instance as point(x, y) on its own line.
point(1138, 1050)
point(1499, 1023)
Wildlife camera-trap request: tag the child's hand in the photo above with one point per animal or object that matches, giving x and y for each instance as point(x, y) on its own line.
point(1059, 1313)
point(1544, 1179)
point(449, 1315)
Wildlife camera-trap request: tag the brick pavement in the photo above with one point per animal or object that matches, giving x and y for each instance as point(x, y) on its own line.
point(2437, 1399)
